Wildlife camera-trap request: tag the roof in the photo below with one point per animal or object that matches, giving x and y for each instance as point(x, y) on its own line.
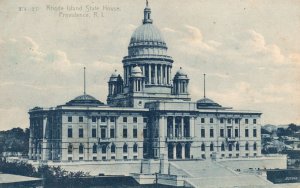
point(181, 74)
point(207, 103)
point(147, 34)
point(136, 72)
point(85, 100)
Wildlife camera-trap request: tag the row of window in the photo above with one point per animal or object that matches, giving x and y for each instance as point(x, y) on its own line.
point(105, 119)
point(230, 147)
point(229, 121)
point(229, 133)
point(103, 133)
point(103, 148)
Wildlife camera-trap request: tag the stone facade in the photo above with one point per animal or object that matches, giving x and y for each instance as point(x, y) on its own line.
point(148, 115)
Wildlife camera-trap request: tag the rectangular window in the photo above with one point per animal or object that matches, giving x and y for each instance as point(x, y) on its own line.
point(229, 121)
point(134, 119)
point(94, 119)
point(246, 121)
point(134, 133)
point(70, 132)
point(246, 132)
point(236, 132)
point(229, 133)
point(221, 132)
point(103, 119)
point(202, 133)
point(145, 120)
point(222, 120)
point(80, 119)
point(70, 119)
point(236, 120)
point(80, 158)
point(124, 119)
point(94, 158)
point(202, 120)
point(80, 133)
point(254, 121)
point(254, 133)
point(103, 133)
point(211, 133)
point(112, 119)
point(94, 133)
point(124, 132)
point(211, 120)
point(112, 133)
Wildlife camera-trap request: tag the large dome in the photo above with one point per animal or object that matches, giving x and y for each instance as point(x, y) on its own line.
point(147, 40)
point(147, 34)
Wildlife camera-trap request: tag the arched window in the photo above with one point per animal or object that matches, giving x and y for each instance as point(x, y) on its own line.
point(222, 147)
point(81, 149)
point(135, 148)
point(255, 146)
point(230, 147)
point(203, 147)
point(94, 148)
point(103, 149)
point(113, 148)
point(70, 149)
point(125, 148)
point(211, 147)
point(247, 146)
point(237, 147)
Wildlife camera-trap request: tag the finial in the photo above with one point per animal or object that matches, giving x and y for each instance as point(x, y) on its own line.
point(147, 14)
point(204, 85)
point(84, 91)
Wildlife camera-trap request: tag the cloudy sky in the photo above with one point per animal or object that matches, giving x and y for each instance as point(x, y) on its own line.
point(249, 49)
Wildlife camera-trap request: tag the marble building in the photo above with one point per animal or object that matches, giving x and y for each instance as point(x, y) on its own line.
point(148, 113)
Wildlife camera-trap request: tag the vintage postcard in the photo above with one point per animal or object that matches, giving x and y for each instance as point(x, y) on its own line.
point(148, 93)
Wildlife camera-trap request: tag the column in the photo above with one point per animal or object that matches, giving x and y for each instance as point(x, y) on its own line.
point(174, 151)
point(161, 75)
point(162, 127)
point(149, 74)
point(173, 126)
point(155, 74)
point(169, 78)
point(143, 69)
point(165, 79)
point(183, 151)
point(44, 147)
point(192, 126)
point(128, 73)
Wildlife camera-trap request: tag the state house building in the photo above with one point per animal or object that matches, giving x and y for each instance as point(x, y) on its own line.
point(149, 112)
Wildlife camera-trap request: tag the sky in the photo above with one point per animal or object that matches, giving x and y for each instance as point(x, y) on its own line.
point(249, 50)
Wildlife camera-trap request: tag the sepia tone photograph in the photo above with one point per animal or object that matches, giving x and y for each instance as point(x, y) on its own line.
point(148, 93)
